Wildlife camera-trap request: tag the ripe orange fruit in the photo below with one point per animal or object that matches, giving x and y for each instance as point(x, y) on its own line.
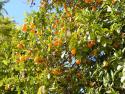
point(57, 42)
point(17, 60)
point(54, 26)
point(56, 72)
point(32, 31)
point(56, 32)
point(20, 46)
point(38, 60)
point(24, 28)
point(88, 1)
point(114, 1)
point(68, 14)
point(60, 42)
point(22, 58)
point(93, 8)
point(73, 51)
point(56, 21)
point(78, 62)
point(63, 29)
point(91, 43)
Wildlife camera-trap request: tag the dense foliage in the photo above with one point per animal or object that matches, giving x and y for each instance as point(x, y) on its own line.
point(68, 47)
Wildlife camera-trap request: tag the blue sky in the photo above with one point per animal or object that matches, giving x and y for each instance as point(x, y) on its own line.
point(17, 8)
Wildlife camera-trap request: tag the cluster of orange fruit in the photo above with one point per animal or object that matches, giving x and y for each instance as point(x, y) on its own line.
point(25, 27)
point(90, 44)
point(90, 1)
point(56, 72)
point(97, 1)
point(57, 42)
point(22, 58)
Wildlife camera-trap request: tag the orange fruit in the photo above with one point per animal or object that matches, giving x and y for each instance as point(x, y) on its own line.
point(93, 8)
point(60, 42)
point(17, 60)
point(38, 60)
point(91, 43)
point(56, 72)
point(57, 42)
point(68, 14)
point(78, 62)
point(24, 28)
point(73, 51)
point(54, 25)
point(32, 31)
point(20, 46)
point(88, 1)
point(22, 58)
point(63, 29)
point(114, 1)
point(56, 21)
point(56, 32)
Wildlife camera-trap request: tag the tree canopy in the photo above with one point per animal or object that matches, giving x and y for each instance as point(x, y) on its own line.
point(69, 47)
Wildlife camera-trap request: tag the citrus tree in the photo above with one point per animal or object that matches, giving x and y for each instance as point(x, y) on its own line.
point(69, 47)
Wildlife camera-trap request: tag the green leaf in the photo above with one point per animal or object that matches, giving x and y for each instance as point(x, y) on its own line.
point(112, 75)
point(105, 82)
point(5, 62)
point(41, 90)
point(75, 1)
point(1, 83)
